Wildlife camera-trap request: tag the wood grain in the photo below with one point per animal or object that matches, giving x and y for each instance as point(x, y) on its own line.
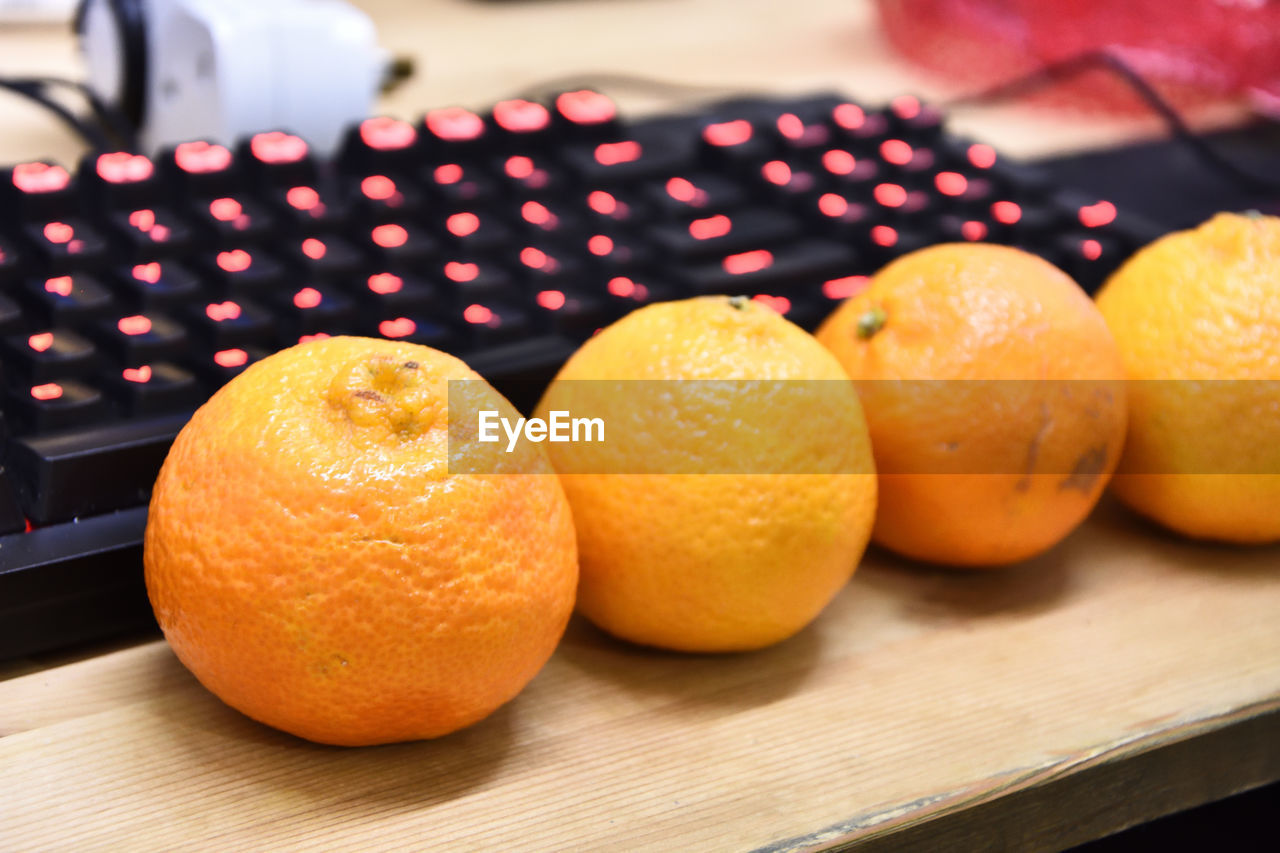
point(1123, 675)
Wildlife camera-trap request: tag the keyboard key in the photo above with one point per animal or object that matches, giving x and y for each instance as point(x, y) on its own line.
point(65, 300)
point(520, 123)
point(56, 405)
point(383, 198)
point(155, 284)
point(278, 158)
point(49, 354)
point(66, 244)
point(311, 309)
point(646, 153)
point(36, 191)
point(695, 195)
point(586, 113)
point(796, 265)
point(722, 234)
point(232, 219)
point(467, 278)
point(324, 258)
point(120, 179)
point(151, 389)
point(242, 271)
point(11, 517)
point(231, 323)
point(201, 169)
point(150, 232)
point(572, 314)
point(12, 317)
point(90, 470)
point(140, 338)
point(307, 207)
point(456, 185)
point(419, 330)
point(387, 294)
point(401, 244)
point(380, 144)
point(487, 323)
point(455, 132)
point(219, 367)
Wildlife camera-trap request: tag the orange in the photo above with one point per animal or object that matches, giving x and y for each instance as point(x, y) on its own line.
point(315, 564)
point(1197, 318)
point(734, 495)
point(993, 393)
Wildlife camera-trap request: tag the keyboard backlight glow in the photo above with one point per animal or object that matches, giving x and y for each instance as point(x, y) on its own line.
point(849, 116)
point(552, 300)
point(318, 336)
point(302, 198)
point(982, 156)
point(830, 204)
point(150, 273)
point(383, 133)
point(121, 167)
point(1091, 249)
point(896, 151)
point(140, 375)
point(40, 178)
point(710, 227)
point(586, 107)
point(314, 249)
point(883, 235)
point(613, 153)
point(47, 391)
point(843, 288)
point(236, 260)
point(790, 126)
point(222, 311)
point(533, 258)
point(536, 213)
point(890, 195)
point(400, 327)
point(621, 286)
point(780, 304)
point(727, 133)
point(520, 116)
point(390, 236)
point(838, 162)
point(951, 183)
point(518, 166)
point(462, 224)
point(378, 187)
point(1006, 212)
point(600, 245)
point(461, 272)
point(306, 298)
point(776, 172)
point(682, 189)
point(225, 209)
point(449, 173)
point(748, 262)
point(59, 285)
point(231, 358)
point(144, 220)
point(137, 324)
point(905, 106)
point(277, 147)
point(58, 232)
point(602, 202)
point(201, 158)
point(385, 282)
point(40, 342)
point(477, 315)
point(1097, 215)
point(455, 124)
point(973, 230)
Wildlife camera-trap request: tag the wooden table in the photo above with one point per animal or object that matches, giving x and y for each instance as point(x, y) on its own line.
point(1122, 676)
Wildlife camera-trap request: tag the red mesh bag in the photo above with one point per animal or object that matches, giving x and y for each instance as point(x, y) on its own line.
point(1192, 51)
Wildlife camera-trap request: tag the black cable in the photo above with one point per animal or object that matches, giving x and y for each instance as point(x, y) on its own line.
point(34, 90)
point(1110, 61)
point(113, 119)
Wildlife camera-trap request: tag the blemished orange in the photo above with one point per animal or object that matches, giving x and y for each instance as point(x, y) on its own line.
point(1197, 317)
point(741, 500)
point(994, 396)
point(313, 562)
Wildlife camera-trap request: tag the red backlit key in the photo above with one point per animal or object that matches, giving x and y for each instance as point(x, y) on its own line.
point(646, 153)
point(616, 252)
point(323, 257)
point(150, 232)
point(725, 233)
point(56, 405)
point(613, 207)
point(310, 206)
point(472, 277)
point(219, 367)
point(233, 218)
point(779, 270)
point(226, 323)
point(154, 284)
point(696, 194)
point(529, 174)
point(36, 191)
point(66, 244)
point(399, 243)
point(44, 355)
point(458, 185)
point(455, 132)
point(311, 308)
point(153, 388)
point(544, 266)
point(414, 329)
point(63, 300)
point(203, 169)
point(387, 294)
point(568, 312)
point(585, 113)
point(278, 158)
point(473, 231)
point(383, 197)
point(546, 217)
point(139, 338)
point(485, 323)
point(381, 144)
point(242, 270)
point(523, 122)
point(120, 179)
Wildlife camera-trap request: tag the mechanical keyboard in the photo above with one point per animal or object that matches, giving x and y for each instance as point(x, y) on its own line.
point(132, 287)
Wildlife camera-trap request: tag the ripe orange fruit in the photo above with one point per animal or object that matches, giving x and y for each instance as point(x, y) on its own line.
point(1197, 317)
point(734, 494)
point(315, 564)
point(993, 394)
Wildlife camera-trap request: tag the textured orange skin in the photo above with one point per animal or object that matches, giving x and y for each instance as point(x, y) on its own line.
point(990, 464)
point(314, 564)
point(727, 561)
point(1203, 304)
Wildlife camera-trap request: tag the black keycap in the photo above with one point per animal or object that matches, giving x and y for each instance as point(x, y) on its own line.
point(458, 185)
point(219, 367)
point(323, 258)
point(120, 180)
point(141, 338)
point(380, 144)
point(90, 470)
point(529, 175)
point(419, 329)
point(615, 252)
point(798, 264)
point(467, 278)
point(228, 323)
point(11, 518)
point(234, 219)
point(456, 132)
point(613, 208)
point(155, 284)
point(722, 234)
point(697, 194)
point(308, 207)
point(403, 244)
point(65, 300)
point(36, 192)
point(647, 153)
point(545, 218)
point(201, 169)
point(545, 265)
point(150, 232)
point(387, 294)
point(472, 231)
point(56, 405)
point(152, 389)
point(65, 244)
point(241, 271)
point(572, 314)
point(311, 309)
point(520, 124)
point(49, 354)
point(11, 316)
point(488, 323)
point(278, 158)
point(383, 198)
point(585, 113)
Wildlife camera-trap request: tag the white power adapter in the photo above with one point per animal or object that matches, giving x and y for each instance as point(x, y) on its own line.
point(224, 69)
